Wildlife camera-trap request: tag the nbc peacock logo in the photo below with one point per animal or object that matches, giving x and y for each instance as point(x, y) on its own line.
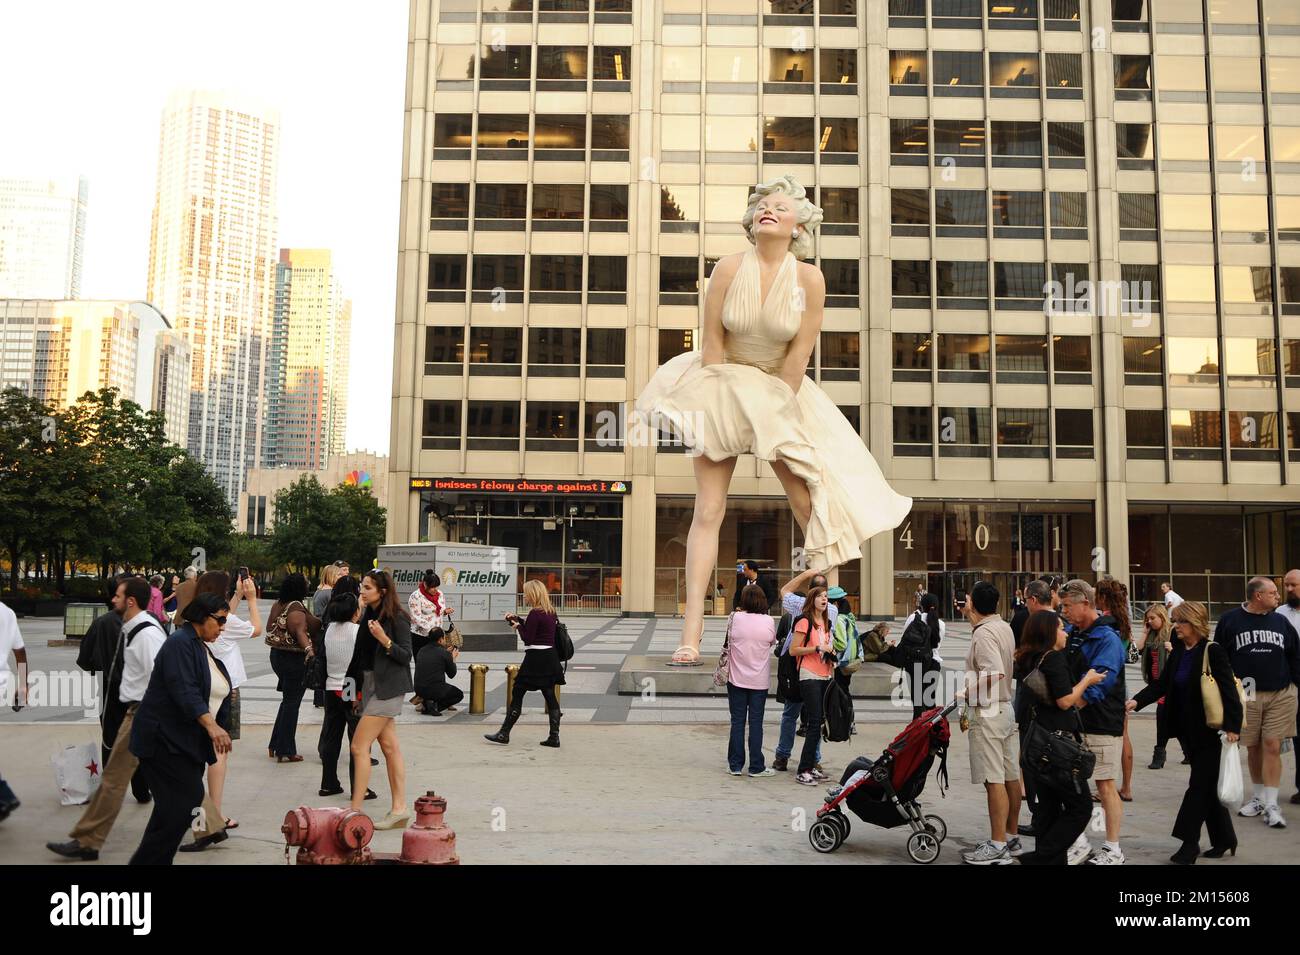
point(359, 479)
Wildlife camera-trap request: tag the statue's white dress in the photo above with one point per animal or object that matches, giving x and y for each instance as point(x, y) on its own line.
point(741, 406)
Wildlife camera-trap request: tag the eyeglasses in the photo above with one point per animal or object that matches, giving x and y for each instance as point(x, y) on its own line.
point(221, 621)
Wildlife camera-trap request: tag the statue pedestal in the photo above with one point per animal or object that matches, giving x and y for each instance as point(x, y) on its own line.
point(872, 681)
point(488, 636)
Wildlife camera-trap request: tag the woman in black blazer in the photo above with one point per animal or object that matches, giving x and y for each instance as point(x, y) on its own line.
point(1180, 685)
point(381, 670)
point(180, 727)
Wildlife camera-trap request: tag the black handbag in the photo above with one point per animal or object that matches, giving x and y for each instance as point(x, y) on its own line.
point(313, 677)
point(1061, 756)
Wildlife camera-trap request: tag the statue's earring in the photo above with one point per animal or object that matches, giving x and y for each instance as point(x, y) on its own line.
point(794, 233)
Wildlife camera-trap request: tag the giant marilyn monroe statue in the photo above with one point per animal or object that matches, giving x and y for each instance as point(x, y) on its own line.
point(745, 392)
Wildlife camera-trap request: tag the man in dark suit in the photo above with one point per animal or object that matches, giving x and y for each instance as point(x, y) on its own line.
point(749, 575)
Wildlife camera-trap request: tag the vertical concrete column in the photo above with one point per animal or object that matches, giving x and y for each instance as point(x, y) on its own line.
point(404, 443)
point(876, 298)
point(1112, 499)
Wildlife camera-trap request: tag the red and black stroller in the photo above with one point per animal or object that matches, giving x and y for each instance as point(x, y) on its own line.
point(884, 792)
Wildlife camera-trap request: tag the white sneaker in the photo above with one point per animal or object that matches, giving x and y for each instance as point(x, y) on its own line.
point(767, 771)
point(1273, 816)
point(1078, 853)
point(987, 854)
point(1106, 856)
point(1252, 808)
point(1014, 847)
point(736, 772)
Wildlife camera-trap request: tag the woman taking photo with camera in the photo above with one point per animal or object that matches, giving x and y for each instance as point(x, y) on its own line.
point(381, 667)
point(1063, 811)
point(1186, 709)
point(541, 669)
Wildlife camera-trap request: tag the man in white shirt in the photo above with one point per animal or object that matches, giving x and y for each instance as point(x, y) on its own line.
point(11, 642)
point(142, 638)
point(1290, 608)
point(1172, 599)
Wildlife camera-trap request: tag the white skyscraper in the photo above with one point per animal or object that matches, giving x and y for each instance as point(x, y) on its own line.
point(307, 363)
point(212, 262)
point(42, 228)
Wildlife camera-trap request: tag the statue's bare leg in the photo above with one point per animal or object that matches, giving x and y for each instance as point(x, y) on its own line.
point(712, 479)
point(796, 489)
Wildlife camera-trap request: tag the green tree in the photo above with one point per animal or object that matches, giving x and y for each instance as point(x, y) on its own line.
point(361, 525)
point(255, 553)
point(313, 526)
point(32, 486)
point(302, 533)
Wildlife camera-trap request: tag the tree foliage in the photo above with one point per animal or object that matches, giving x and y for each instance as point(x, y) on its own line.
point(313, 527)
point(98, 481)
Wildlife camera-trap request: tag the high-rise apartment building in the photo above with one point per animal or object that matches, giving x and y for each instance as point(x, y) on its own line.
point(1062, 259)
point(56, 351)
point(307, 363)
point(42, 230)
point(212, 256)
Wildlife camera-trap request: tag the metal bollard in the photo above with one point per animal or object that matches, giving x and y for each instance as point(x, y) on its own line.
point(477, 686)
point(512, 671)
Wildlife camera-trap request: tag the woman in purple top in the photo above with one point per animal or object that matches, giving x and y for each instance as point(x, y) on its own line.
point(541, 669)
point(751, 636)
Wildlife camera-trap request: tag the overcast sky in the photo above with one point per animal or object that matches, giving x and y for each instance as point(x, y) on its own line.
point(84, 83)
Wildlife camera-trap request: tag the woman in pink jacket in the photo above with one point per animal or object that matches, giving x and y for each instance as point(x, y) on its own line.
point(752, 636)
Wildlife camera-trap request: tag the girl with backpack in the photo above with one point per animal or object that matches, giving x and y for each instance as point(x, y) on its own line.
point(541, 669)
point(813, 648)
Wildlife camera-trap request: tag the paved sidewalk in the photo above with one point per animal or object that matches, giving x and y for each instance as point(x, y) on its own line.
point(590, 695)
point(636, 794)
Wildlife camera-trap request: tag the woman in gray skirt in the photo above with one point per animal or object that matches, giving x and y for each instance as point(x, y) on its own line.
point(381, 667)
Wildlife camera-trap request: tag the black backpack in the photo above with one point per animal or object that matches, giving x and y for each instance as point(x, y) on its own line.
point(914, 644)
point(787, 664)
point(563, 643)
point(837, 713)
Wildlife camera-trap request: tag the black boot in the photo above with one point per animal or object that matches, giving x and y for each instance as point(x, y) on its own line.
point(1186, 855)
point(554, 739)
point(1158, 758)
point(503, 734)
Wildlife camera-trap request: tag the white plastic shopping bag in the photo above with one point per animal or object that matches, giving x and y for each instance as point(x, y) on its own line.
point(1231, 788)
point(77, 772)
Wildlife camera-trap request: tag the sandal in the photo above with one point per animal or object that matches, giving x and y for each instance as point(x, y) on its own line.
point(288, 759)
point(685, 656)
point(232, 824)
point(1123, 798)
point(1096, 797)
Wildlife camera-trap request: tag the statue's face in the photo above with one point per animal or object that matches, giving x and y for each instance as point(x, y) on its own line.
point(775, 214)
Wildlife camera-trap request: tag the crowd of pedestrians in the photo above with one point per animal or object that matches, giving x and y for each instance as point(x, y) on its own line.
point(1043, 695)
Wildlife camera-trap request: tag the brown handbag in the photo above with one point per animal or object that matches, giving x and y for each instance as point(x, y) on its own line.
point(278, 636)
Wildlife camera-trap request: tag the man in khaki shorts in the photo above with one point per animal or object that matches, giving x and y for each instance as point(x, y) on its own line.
point(1265, 652)
point(994, 742)
point(1097, 646)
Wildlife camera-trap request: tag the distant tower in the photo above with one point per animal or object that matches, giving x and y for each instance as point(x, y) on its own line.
point(212, 258)
point(42, 229)
point(307, 363)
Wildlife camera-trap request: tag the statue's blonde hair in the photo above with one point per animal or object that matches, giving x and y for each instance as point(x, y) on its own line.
point(807, 215)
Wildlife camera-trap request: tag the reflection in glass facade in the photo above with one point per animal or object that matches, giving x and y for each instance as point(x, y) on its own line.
point(1010, 311)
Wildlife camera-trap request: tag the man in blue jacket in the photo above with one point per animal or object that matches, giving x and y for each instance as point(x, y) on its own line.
point(1096, 645)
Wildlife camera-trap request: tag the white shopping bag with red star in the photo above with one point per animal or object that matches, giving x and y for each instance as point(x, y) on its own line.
point(78, 772)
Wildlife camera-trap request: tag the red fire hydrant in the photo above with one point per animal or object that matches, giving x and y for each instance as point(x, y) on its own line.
point(429, 841)
point(328, 836)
